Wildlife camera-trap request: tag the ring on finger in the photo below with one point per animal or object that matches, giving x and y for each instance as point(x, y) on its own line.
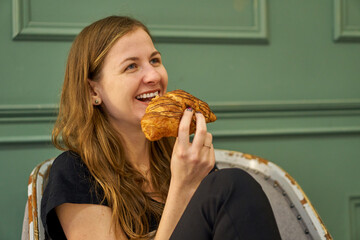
point(207, 146)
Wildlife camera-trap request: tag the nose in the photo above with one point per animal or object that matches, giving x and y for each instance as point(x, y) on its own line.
point(151, 75)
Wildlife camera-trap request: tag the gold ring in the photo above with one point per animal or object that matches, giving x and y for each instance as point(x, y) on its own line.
point(207, 146)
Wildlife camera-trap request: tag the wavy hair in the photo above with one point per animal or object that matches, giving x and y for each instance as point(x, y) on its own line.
point(86, 130)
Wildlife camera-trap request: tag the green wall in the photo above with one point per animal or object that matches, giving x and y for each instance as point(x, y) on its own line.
point(282, 77)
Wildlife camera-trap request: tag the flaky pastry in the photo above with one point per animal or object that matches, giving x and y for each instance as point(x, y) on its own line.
point(163, 114)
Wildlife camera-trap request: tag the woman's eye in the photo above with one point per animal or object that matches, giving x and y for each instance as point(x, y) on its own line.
point(155, 61)
point(130, 67)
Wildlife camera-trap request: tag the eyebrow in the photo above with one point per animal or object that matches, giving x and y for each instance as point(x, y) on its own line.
point(155, 53)
point(136, 58)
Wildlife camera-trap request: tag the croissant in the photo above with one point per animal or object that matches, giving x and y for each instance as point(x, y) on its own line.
point(163, 114)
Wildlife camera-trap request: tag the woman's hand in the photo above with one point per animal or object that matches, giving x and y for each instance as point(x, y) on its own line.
point(191, 162)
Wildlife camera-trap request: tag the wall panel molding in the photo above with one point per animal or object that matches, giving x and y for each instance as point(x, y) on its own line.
point(235, 109)
point(343, 30)
point(24, 28)
point(354, 207)
point(14, 140)
point(234, 119)
point(285, 132)
point(285, 106)
point(28, 113)
point(286, 118)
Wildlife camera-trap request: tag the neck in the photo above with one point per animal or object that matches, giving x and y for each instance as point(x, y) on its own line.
point(138, 153)
point(137, 148)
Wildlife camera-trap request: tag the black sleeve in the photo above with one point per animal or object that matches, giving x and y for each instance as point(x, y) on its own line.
point(69, 182)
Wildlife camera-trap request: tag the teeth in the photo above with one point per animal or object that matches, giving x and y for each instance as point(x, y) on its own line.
point(148, 95)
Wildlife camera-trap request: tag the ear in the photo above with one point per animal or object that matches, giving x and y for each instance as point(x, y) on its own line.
point(94, 92)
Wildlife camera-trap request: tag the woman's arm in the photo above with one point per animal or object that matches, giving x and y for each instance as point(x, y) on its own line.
point(190, 164)
point(88, 221)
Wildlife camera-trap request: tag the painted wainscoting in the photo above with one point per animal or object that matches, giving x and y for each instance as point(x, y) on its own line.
point(283, 78)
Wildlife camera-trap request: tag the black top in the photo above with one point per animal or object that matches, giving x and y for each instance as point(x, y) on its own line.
point(70, 182)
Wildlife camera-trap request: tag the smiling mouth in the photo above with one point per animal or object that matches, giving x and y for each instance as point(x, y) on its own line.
point(146, 97)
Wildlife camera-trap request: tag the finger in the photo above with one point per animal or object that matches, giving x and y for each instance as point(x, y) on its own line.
point(212, 156)
point(184, 126)
point(176, 143)
point(209, 157)
point(208, 140)
point(201, 131)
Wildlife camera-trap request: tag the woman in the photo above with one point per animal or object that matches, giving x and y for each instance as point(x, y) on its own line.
point(111, 182)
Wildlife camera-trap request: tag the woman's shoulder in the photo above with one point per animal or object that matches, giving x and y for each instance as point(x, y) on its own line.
point(67, 157)
point(70, 180)
point(69, 173)
point(68, 162)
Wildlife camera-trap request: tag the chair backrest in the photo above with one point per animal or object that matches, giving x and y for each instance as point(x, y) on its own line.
point(295, 216)
point(32, 225)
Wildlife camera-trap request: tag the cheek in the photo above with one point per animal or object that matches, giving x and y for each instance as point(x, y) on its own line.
point(106, 94)
point(112, 96)
point(165, 79)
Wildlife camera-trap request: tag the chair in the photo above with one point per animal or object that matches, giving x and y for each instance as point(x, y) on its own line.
point(32, 225)
point(295, 216)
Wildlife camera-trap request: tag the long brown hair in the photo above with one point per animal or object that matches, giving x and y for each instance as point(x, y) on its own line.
point(85, 129)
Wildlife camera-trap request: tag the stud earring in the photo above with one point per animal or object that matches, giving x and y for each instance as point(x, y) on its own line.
point(96, 101)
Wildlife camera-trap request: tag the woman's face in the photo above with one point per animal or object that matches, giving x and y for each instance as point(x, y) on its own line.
point(132, 74)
